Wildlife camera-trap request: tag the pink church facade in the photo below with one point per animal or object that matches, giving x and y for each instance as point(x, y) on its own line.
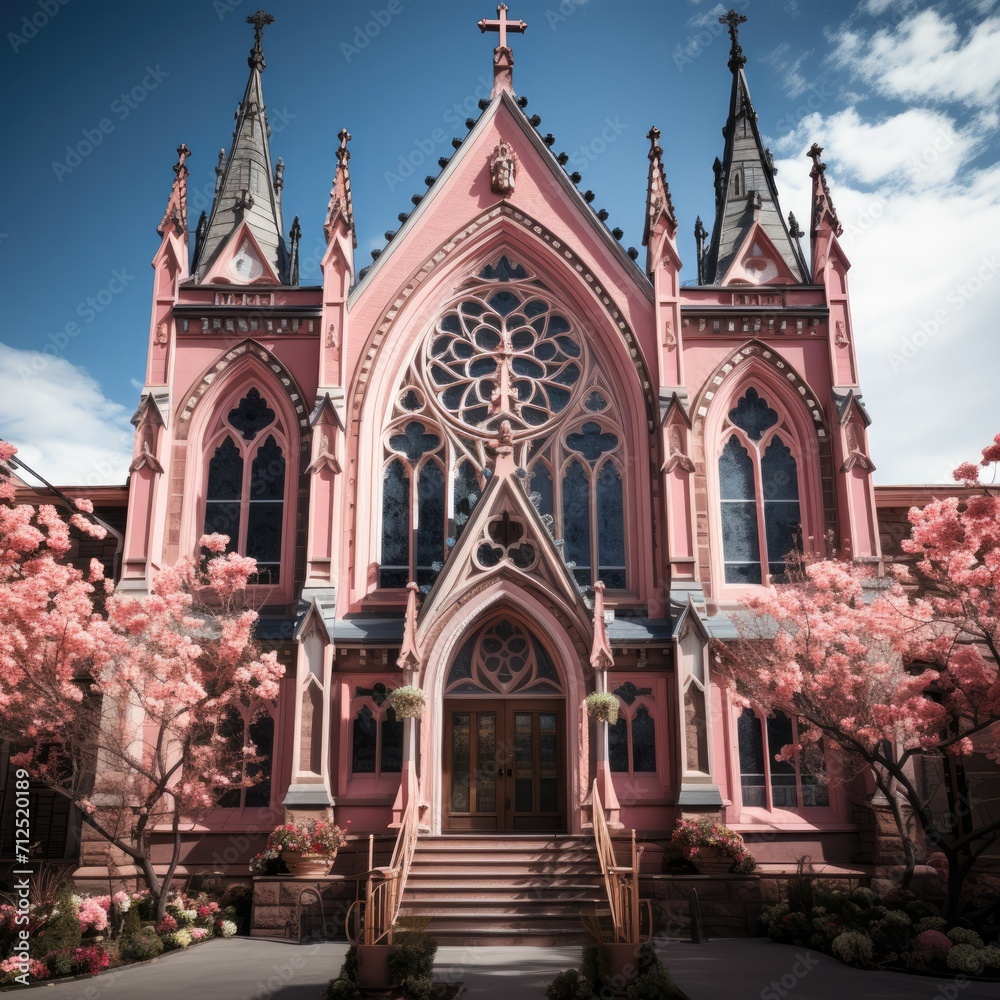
point(512, 465)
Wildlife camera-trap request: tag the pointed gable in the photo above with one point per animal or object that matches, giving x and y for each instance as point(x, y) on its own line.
point(506, 537)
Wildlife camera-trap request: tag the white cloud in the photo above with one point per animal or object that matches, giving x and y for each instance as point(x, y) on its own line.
point(925, 57)
point(924, 282)
point(61, 422)
point(916, 149)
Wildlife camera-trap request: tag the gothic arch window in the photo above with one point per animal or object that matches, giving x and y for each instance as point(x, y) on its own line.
point(241, 728)
point(504, 349)
point(632, 739)
point(376, 733)
point(759, 491)
point(767, 783)
point(247, 483)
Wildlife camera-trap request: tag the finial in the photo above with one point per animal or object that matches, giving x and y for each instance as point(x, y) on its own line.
point(793, 227)
point(815, 152)
point(503, 57)
point(294, 235)
point(601, 655)
point(736, 58)
point(655, 150)
point(260, 20)
point(700, 235)
point(343, 153)
point(175, 215)
point(409, 656)
point(279, 174)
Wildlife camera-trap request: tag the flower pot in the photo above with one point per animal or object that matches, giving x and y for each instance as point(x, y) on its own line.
point(303, 863)
point(623, 965)
point(373, 966)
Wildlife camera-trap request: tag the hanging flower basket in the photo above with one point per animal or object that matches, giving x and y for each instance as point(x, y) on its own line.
point(407, 702)
point(603, 707)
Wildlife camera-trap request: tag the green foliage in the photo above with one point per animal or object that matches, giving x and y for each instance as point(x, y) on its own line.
point(132, 924)
point(140, 946)
point(853, 948)
point(966, 958)
point(61, 932)
point(350, 966)
point(962, 935)
point(343, 988)
point(411, 963)
point(570, 984)
point(655, 984)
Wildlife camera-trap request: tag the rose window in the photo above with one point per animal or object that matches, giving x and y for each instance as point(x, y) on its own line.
point(503, 354)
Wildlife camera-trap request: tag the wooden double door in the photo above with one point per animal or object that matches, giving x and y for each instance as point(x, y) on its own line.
point(504, 766)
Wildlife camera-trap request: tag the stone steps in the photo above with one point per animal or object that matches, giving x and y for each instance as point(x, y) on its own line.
point(504, 890)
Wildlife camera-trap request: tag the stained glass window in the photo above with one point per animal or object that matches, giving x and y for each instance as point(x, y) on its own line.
point(364, 742)
point(618, 745)
point(759, 494)
point(430, 523)
point(467, 493)
point(245, 488)
point(610, 527)
point(576, 521)
point(395, 567)
point(767, 783)
point(643, 741)
point(376, 735)
point(238, 733)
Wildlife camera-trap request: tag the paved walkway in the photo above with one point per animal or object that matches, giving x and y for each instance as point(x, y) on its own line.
point(732, 969)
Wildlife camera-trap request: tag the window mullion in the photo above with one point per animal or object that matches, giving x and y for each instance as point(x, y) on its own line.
point(758, 486)
point(767, 763)
point(245, 501)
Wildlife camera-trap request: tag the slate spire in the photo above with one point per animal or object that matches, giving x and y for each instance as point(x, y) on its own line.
point(745, 192)
point(248, 189)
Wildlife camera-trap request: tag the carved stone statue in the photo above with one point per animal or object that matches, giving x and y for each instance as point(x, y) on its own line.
point(503, 168)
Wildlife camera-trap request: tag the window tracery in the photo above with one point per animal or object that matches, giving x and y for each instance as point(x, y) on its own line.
point(504, 349)
point(376, 733)
point(632, 739)
point(502, 658)
point(240, 729)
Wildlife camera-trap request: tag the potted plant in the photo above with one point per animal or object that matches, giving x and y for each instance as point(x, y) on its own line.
point(713, 847)
point(603, 706)
point(407, 701)
point(308, 847)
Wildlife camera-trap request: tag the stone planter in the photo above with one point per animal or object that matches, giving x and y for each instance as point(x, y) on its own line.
point(623, 965)
point(301, 863)
point(373, 966)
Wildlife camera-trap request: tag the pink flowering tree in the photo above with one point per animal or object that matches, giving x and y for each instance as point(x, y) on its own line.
point(886, 669)
point(120, 710)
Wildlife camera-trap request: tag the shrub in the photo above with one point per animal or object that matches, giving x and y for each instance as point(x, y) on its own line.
point(411, 964)
point(853, 948)
point(60, 932)
point(167, 925)
point(655, 984)
point(966, 958)
point(343, 988)
point(962, 935)
point(991, 956)
point(569, 985)
point(933, 944)
point(89, 961)
point(141, 946)
point(226, 928)
point(931, 924)
point(179, 939)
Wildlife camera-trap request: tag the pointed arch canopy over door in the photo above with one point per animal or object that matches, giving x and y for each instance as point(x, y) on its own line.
point(504, 751)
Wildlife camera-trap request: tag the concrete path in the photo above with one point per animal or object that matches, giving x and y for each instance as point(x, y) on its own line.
point(731, 969)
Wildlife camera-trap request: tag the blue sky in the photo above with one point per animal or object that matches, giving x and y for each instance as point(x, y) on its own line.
point(902, 94)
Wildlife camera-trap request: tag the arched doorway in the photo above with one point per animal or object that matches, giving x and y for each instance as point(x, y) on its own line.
point(504, 735)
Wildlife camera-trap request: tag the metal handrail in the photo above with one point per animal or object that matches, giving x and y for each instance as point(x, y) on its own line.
point(384, 888)
point(620, 883)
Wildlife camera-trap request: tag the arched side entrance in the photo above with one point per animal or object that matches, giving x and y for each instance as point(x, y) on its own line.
point(505, 688)
point(503, 765)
